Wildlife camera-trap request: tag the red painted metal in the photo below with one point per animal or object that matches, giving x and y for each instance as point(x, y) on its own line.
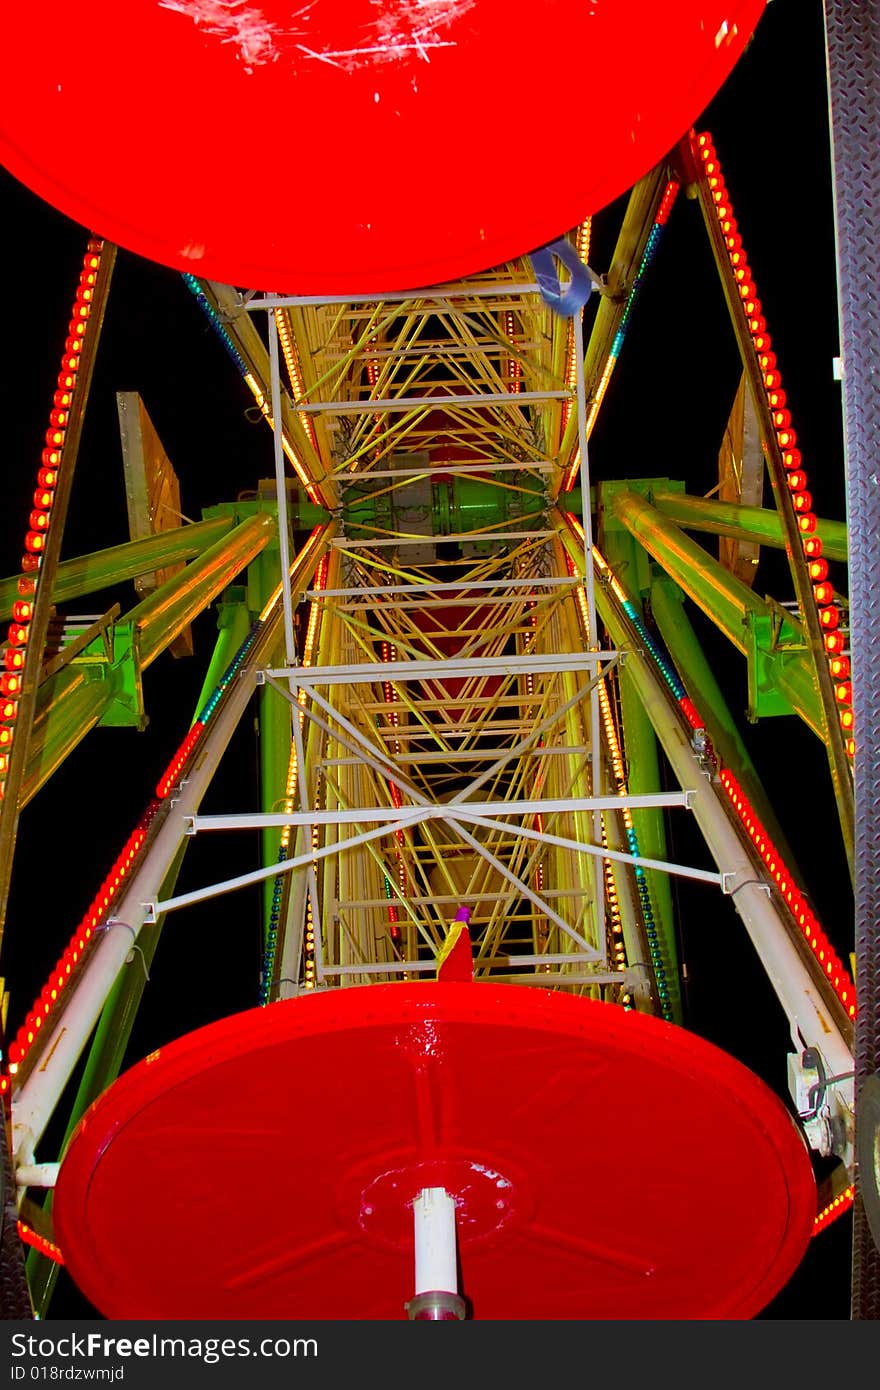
point(438, 634)
point(604, 1164)
point(277, 146)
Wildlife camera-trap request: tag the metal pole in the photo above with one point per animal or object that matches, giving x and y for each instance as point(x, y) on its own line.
point(281, 490)
point(744, 523)
point(787, 972)
point(88, 574)
point(436, 1276)
point(596, 760)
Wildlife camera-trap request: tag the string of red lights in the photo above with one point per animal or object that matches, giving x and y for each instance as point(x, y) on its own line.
point(39, 521)
point(796, 475)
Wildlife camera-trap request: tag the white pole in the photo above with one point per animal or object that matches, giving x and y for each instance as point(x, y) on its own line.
point(436, 1297)
point(434, 1215)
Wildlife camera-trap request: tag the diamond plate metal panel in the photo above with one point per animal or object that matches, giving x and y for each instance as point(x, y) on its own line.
point(853, 44)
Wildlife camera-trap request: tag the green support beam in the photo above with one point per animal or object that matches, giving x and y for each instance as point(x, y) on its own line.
point(88, 574)
point(786, 668)
point(163, 614)
point(643, 775)
point(89, 691)
point(233, 624)
point(683, 645)
point(641, 751)
point(743, 523)
point(275, 744)
point(75, 704)
point(641, 754)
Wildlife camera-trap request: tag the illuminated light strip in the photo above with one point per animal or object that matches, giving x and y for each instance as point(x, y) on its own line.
point(668, 671)
point(835, 1208)
point(643, 891)
point(39, 521)
point(582, 246)
point(620, 783)
point(582, 239)
point(97, 914)
point(655, 945)
point(60, 976)
point(538, 821)
point(271, 944)
point(311, 927)
point(802, 500)
point(835, 971)
point(618, 948)
point(37, 1242)
point(813, 933)
point(807, 922)
point(215, 321)
point(177, 763)
point(514, 366)
point(389, 653)
point(209, 708)
point(254, 388)
point(372, 366)
point(293, 371)
point(250, 381)
point(662, 217)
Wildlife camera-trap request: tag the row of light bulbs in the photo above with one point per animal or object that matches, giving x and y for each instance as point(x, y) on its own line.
point(796, 476)
point(63, 402)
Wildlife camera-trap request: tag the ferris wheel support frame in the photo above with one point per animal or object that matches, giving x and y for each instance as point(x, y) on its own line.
point(811, 1021)
point(674, 626)
point(86, 574)
point(742, 522)
point(60, 1046)
point(731, 605)
point(474, 813)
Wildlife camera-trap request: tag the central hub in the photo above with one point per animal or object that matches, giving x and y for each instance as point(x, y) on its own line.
point(380, 1201)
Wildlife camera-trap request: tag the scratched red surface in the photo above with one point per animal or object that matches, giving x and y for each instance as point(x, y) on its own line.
point(344, 146)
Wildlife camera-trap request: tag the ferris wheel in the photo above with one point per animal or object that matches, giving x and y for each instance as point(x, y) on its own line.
point(482, 710)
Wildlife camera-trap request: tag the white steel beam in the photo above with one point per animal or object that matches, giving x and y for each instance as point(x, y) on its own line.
point(463, 470)
point(363, 673)
point(504, 960)
point(426, 538)
point(430, 295)
point(365, 815)
point(526, 583)
point(810, 1021)
point(390, 404)
point(155, 909)
point(474, 755)
point(524, 889)
point(722, 881)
